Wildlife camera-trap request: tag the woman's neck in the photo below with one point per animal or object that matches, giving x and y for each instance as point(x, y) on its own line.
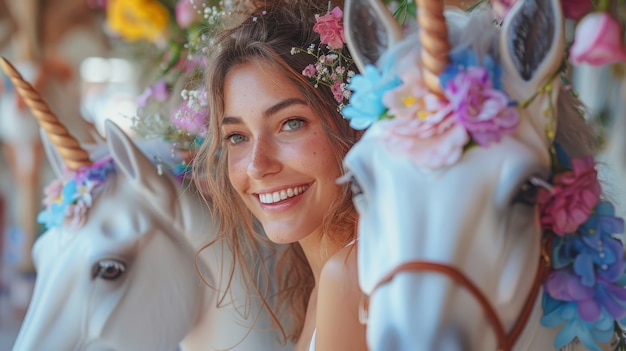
point(315, 254)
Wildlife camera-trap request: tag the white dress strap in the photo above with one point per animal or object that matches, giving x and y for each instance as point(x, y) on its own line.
point(312, 345)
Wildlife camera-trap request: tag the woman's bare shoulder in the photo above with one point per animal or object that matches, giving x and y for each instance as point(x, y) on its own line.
point(339, 295)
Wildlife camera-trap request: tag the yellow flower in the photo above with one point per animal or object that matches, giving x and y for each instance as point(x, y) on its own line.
point(137, 19)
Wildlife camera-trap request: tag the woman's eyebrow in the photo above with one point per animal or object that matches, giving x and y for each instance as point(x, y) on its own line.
point(230, 120)
point(283, 105)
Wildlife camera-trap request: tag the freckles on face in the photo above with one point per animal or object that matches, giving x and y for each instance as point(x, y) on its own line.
point(280, 159)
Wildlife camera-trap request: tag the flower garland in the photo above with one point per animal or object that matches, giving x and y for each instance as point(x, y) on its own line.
point(332, 65)
point(433, 130)
point(68, 199)
point(584, 291)
point(178, 32)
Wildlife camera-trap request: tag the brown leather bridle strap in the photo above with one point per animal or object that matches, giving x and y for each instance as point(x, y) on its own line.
point(505, 341)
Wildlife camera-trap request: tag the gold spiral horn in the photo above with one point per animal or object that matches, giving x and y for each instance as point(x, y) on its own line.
point(67, 146)
point(434, 39)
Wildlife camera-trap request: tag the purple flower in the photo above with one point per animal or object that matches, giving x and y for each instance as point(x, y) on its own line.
point(482, 110)
point(565, 286)
point(189, 118)
point(159, 91)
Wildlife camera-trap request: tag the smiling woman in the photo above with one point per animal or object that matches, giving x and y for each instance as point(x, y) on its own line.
point(274, 91)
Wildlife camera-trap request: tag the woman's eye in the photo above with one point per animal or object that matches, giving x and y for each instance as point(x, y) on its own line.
point(293, 124)
point(235, 139)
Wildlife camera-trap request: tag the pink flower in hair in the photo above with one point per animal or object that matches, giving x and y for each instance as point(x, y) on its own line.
point(598, 41)
point(330, 28)
point(309, 71)
point(337, 90)
point(574, 196)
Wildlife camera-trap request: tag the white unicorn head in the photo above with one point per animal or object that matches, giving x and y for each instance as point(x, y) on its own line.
point(449, 229)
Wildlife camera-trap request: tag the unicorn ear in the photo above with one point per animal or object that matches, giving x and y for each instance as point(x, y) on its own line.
point(532, 42)
point(370, 30)
point(133, 164)
point(54, 158)
point(532, 47)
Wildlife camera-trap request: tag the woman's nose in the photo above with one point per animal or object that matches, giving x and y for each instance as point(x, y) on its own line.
point(263, 160)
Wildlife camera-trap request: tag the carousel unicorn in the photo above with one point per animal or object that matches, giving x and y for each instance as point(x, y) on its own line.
point(116, 267)
point(480, 223)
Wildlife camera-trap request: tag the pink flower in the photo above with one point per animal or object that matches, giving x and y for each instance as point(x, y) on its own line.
point(412, 99)
point(53, 192)
point(309, 71)
point(501, 8)
point(186, 15)
point(575, 9)
point(337, 91)
point(575, 195)
point(598, 40)
point(159, 91)
point(330, 28)
point(190, 118)
point(76, 215)
point(431, 145)
point(482, 110)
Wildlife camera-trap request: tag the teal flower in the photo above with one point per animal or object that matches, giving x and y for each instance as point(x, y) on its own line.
point(366, 102)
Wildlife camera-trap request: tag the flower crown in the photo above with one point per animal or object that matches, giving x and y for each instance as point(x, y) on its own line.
point(332, 65)
point(434, 130)
point(67, 199)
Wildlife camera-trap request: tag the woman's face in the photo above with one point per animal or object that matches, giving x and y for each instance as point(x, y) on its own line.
point(280, 160)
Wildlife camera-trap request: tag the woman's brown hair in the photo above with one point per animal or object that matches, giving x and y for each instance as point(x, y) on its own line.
point(266, 36)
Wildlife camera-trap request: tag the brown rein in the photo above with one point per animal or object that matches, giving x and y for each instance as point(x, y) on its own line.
point(505, 341)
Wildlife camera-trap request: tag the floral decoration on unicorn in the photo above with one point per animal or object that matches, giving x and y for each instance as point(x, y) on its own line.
point(118, 267)
point(465, 103)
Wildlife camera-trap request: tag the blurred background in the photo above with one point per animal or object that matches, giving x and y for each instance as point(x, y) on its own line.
point(90, 64)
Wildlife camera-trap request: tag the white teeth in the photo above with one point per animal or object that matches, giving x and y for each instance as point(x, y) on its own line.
point(283, 194)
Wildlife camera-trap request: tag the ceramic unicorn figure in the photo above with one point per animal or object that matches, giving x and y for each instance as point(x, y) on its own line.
point(115, 269)
point(449, 177)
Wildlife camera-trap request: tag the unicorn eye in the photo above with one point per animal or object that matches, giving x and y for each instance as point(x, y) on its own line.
point(108, 269)
point(529, 191)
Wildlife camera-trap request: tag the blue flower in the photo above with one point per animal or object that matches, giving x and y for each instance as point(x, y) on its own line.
point(52, 216)
point(557, 313)
point(462, 60)
point(592, 249)
point(366, 102)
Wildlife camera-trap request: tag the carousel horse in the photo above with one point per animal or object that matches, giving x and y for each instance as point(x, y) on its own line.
point(116, 269)
point(450, 248)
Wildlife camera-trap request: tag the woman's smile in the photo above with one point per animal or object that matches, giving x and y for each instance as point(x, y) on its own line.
point(281, 195)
